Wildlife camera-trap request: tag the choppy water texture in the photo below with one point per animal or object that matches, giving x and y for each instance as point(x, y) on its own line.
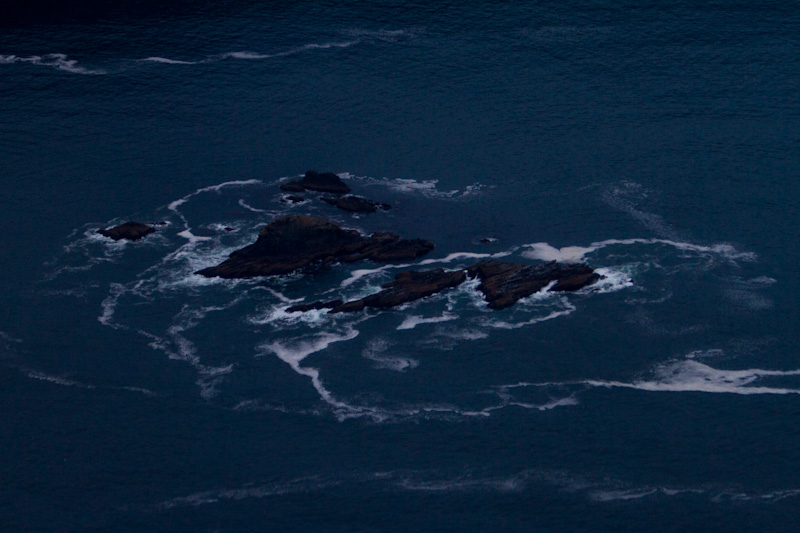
point(659, 143)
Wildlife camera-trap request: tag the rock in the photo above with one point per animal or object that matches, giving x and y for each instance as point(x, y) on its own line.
point(356, 204)
point(294, 242)
point(132, 231)
point(315, 181)
point(407, 287)
point(302, 308)
point(503, 284)
point(293, 199)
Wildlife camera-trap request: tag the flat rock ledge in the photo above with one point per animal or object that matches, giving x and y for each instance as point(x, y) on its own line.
point(131, 231)
point(317, 181)
point(294, 242)
point(355, 204)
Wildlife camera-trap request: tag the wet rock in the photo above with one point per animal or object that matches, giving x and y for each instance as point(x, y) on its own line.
point(356, 204)
point(503, 284)
point(407, 287)
point(132, 231)
point(294, 242)
point(302, 308)
point(293, 199)
point(316, 181)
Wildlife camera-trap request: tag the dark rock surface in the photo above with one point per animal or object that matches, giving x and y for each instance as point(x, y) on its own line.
point(503, 284)
point(406, 287)
point(293, 199)
point(293, 242)
point(316, 181)
point(356, 204)
point(132, 231)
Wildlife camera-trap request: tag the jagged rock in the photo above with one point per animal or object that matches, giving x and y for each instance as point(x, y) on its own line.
point(503, 284)
point(293, 242)
point(293, 199)
point(316, 181)
point(302, 308)
point(407, 287)
point(356, 204)
point(132, 231)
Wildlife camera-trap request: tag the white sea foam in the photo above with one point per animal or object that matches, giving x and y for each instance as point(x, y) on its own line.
point(58, 380)
point(57, 61)
point(167, 61)
point(614, 279)
point(690, 375)
point(251, 208)
point(173, 206)
point(293, 352)
point(376, 351)
point(573, 254)
point(410, 322)
point(502, 324)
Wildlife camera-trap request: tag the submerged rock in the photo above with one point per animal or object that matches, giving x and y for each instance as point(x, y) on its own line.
point(406, 287)
point(356, 204)
point(132, 231)
point(302, 308)
point(504, 284)
point(293, 242)
point(316, 181)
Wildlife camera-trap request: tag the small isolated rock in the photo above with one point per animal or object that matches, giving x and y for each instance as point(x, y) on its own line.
point(316, 181)
point(132, 231)
point(356, 204)
point(293, 199)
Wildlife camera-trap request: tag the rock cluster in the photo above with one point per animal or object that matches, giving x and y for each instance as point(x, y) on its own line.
point(294, 242)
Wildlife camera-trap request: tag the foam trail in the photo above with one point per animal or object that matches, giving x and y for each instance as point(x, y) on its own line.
point(173, 206)
point(248, 55)
point(57, 61)
point(413, 321)
point(573, 254)
point(167, 61)
point(555, 314)
point(692, 376)
point(294, 353)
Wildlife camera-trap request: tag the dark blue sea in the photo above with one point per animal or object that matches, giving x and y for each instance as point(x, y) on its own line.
point(659, 142)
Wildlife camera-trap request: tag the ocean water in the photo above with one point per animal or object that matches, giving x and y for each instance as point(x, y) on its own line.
point(659, 142)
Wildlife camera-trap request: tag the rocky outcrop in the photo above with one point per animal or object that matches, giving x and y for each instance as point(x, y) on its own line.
point(316, 181)
point(356, 204)
point(294, 242)
point(407, 287)
point(504, 284)
point(131, 231)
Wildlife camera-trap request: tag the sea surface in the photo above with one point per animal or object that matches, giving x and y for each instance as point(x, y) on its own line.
point(657, 141)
